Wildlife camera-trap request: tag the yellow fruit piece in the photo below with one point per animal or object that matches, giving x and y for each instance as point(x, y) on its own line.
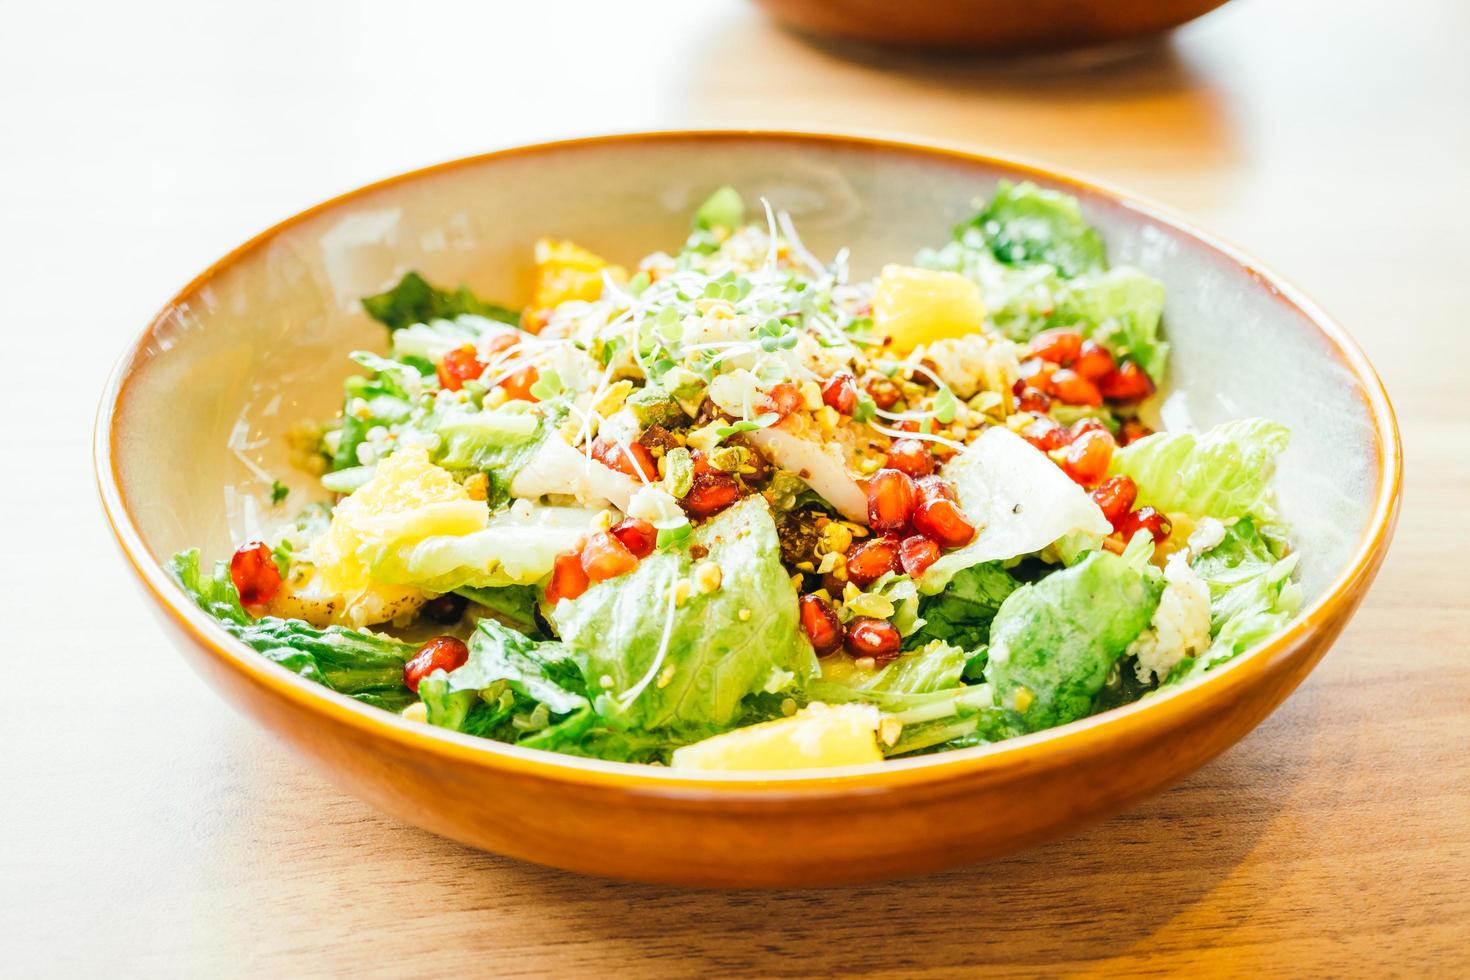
point(567, 271)
point(407, 500)
point(919, 306)
point(819, 735)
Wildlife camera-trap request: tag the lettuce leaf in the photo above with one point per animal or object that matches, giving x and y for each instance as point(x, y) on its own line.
point(513, 605)
point(1224, 473)
point(1252, 597)
point(517, 547)
point(1120, 309)
point(961, 614)
point(363, 665)
point(497, 442)
point(498, 690)
point(1053, 643)
point(413, 300)
point(1028, 225)
point(657, 663)
point(1020, 500)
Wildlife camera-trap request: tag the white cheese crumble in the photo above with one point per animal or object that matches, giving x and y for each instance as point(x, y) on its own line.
point(1180, 626)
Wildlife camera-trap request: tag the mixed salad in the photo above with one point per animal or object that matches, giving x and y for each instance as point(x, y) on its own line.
point(737, 509)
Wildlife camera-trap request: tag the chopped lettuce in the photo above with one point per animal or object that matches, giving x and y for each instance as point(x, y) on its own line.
point(514, 605)
point(1053, 643)
point(961, 614)
point(1224, 473)
point(722, 209)
point(1252, 596)
point(498, 442)
point(661, 662)
point(413, 300)
point(511, 688)
point(1028, 225)
point(383, 398)
point(516, 547)
point(363, 665)
point(1018, 499)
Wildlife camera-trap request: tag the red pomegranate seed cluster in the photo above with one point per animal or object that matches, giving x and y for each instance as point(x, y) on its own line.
point(1065, 366)
point(1115, 497)
point(915, 519)
point(467, 364)
point(604, 555)
point(840, 392)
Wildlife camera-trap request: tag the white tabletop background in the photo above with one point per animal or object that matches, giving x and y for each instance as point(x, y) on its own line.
point(146, 829)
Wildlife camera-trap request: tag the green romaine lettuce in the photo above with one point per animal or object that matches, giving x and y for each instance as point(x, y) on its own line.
point(499, 689)
point(1224, 473)
point(1028, 225)
point(415, 301)
point(1252, 596)
point(1054, 642)
point(366, 666)
point(514, 605)
point(658, 663)
point(961, 614)
point(497, 442)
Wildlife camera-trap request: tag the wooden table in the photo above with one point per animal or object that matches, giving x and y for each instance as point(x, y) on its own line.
point(149, 830)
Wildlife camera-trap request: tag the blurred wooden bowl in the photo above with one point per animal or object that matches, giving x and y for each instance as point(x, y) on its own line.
point(994, 26)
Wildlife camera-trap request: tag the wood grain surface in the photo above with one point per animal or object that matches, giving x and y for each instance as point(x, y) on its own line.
point(147, 830)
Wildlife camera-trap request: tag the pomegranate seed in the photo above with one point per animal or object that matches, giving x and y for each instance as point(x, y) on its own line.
point(1030, 399)
point(711, 493)
point(1045, 434)
point(440, 653)
point(605, 557)
point(255, 574)
point(1114, 496)
point(1093, 361)
point(1057, 346)
point(501, 342)
point(784, 399)
point(568, 578)
point(518, 386)
point(1132, 431)
point(917, 553)
point(1143, 519)
point(1129, 383)
point(872, 559)
point(1073, 388)
point(876, 638)
point(891, 499)
point(1086, 459)
point(458, 366)
point(840, 391)
point(822, 626)
point(627, 460)
point(912, 457)
point(883, 391)
point(941, 520)
point(1080, 428)
point(1035, 373)
point(639, 537)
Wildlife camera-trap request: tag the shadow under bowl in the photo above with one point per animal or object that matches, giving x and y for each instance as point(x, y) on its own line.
point(193, 426)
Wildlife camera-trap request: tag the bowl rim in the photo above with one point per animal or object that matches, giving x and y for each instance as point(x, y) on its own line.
point(1043, 750)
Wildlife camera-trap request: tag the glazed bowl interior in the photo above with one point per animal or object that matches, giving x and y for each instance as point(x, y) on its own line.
point(260, 341)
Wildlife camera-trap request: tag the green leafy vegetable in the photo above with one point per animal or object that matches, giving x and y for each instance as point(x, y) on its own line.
point(661, 663)
point(1224, 473)
point(962, 613)
point(1053, 642)
point(497, 442)
point(512, 688)
point(1024, 225)
point(415, 301)
point(279, 492)
point(1252, 596)
point(364, 665)
point(514, 605)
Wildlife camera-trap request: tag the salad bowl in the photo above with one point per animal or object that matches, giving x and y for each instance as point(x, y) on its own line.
point(197, 420)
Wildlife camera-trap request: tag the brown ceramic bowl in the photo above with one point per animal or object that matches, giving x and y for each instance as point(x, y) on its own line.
point(991, 26)
point(192, 424)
